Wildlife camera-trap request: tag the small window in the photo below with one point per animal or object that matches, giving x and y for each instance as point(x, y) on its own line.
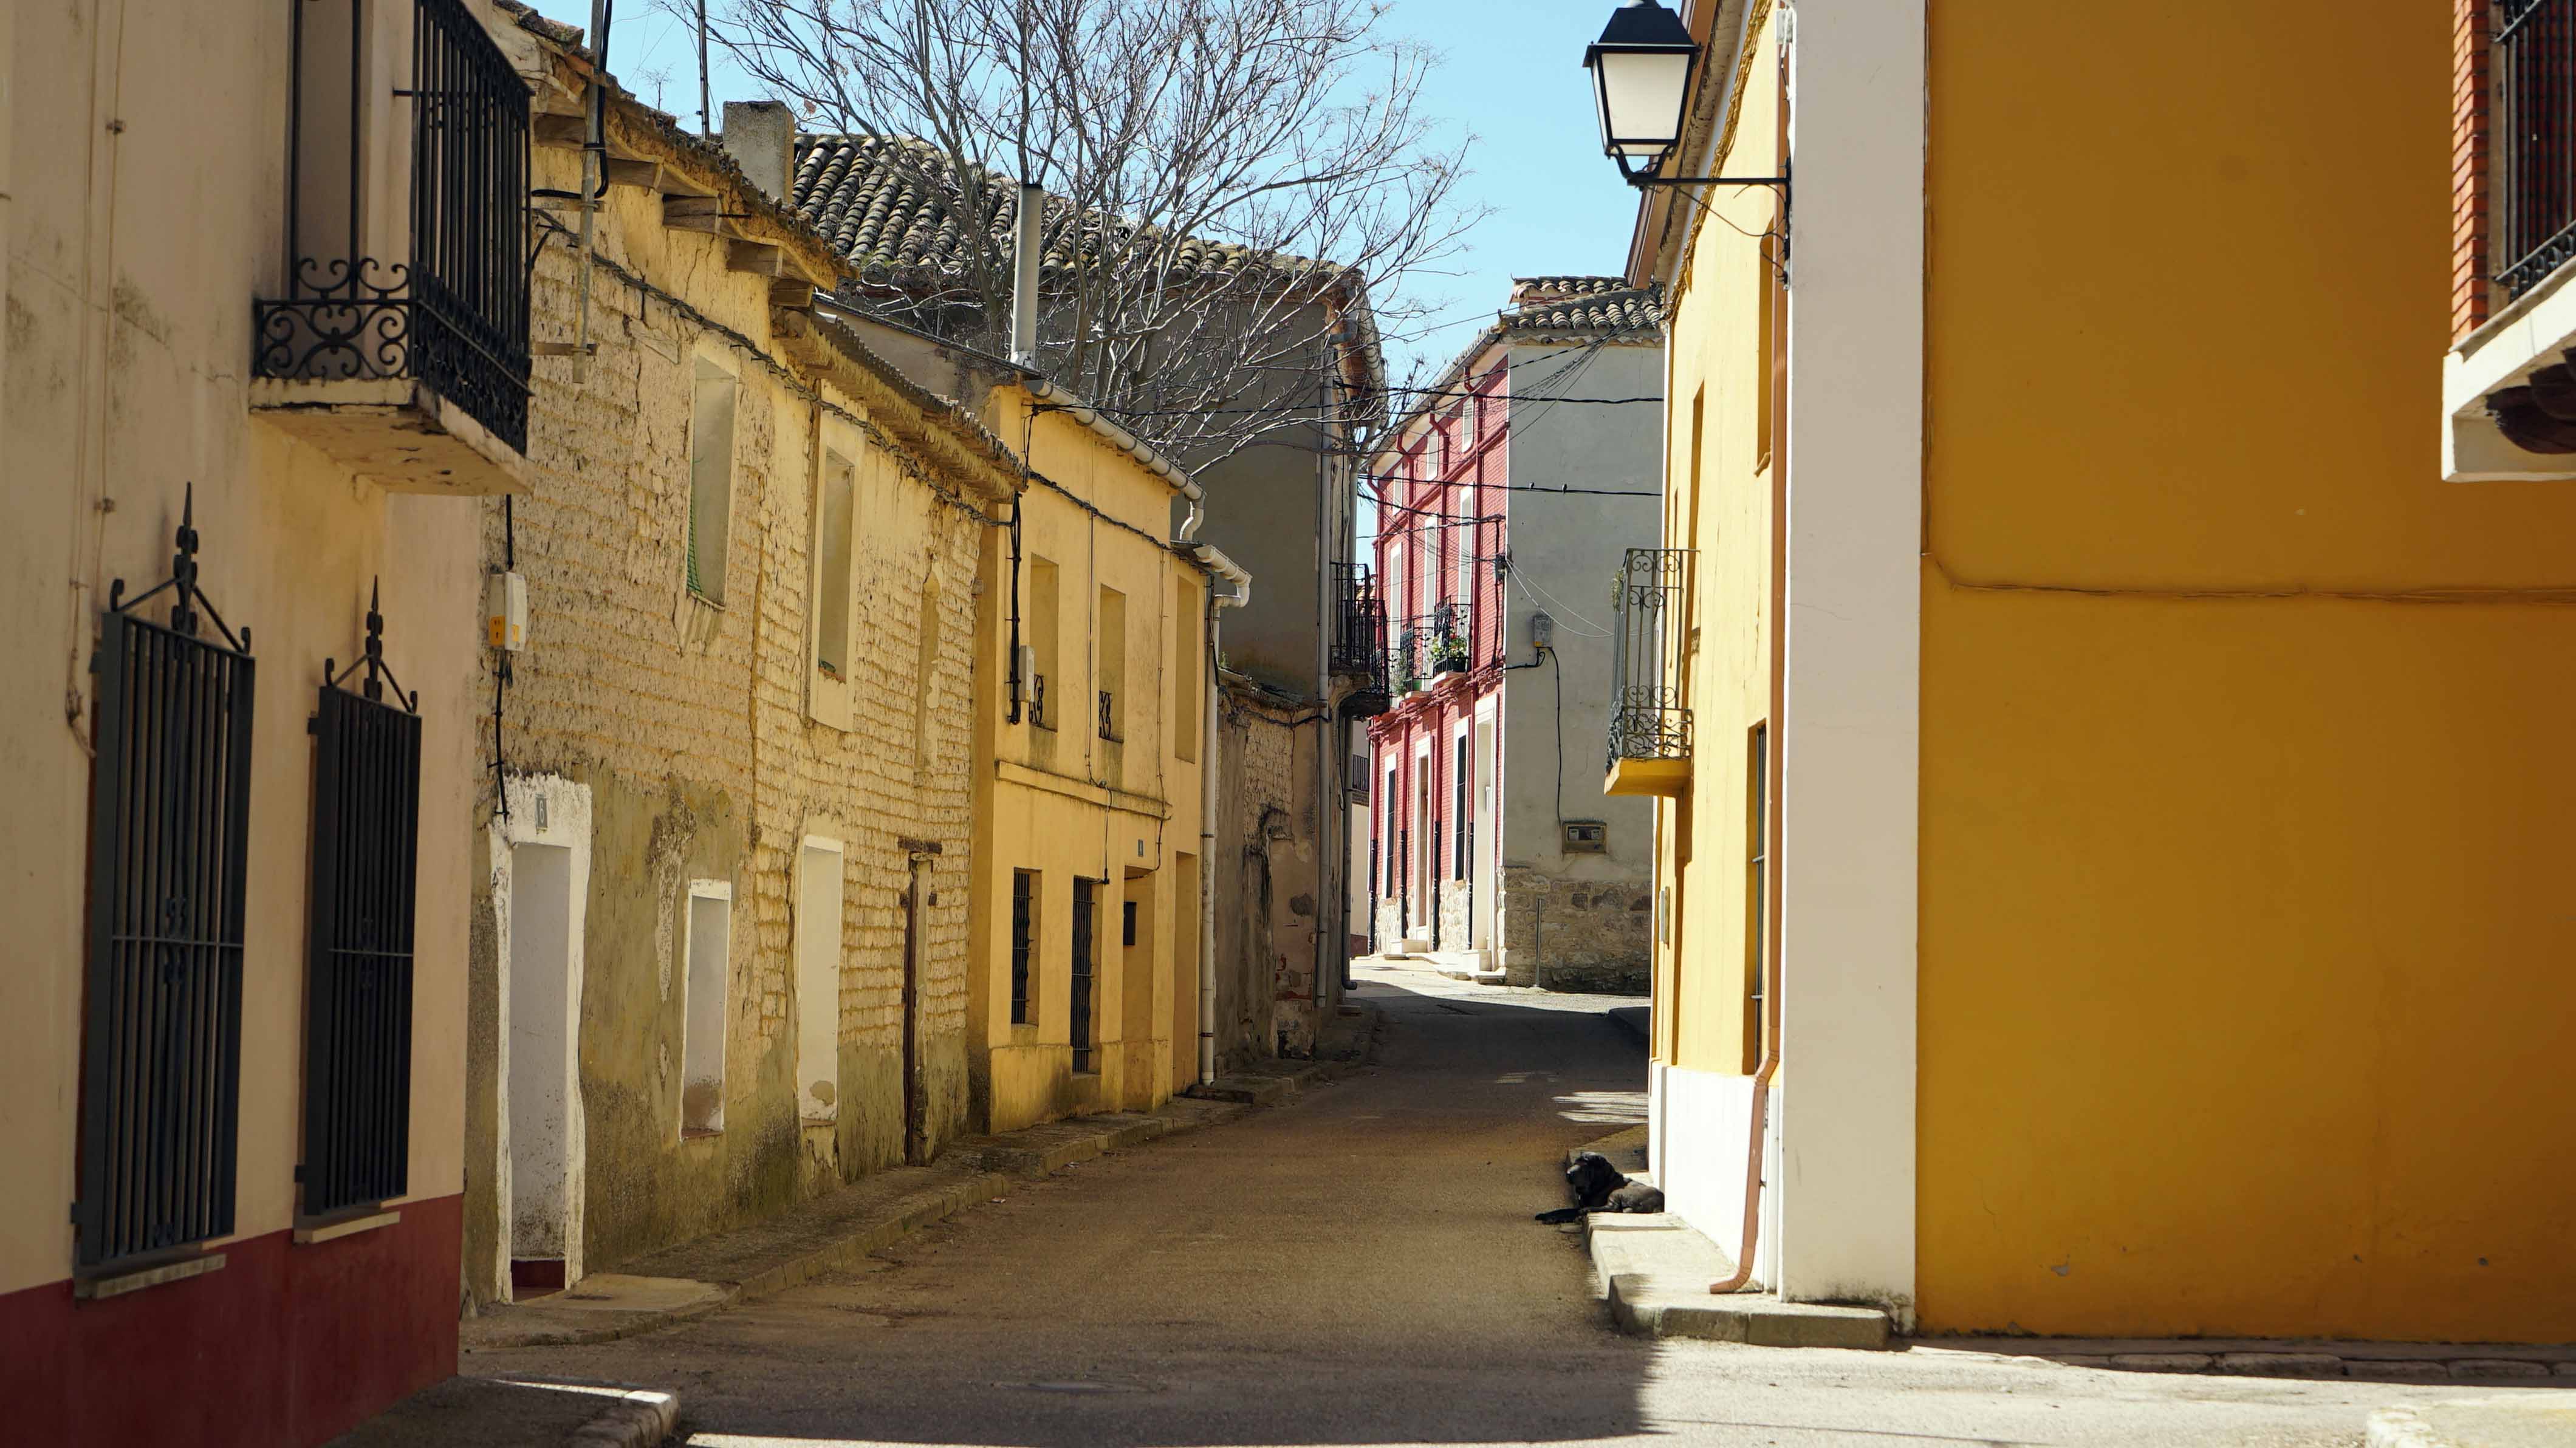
point(1127, 924)
point(1112, 625)
point(832, 585)
point(706, 953)
point(1187, 670)
point(1024, 934)
point(1043, 628)
point(1086, 896)
point(710, 479)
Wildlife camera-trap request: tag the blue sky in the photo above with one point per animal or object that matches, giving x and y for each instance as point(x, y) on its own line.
point(1510, 77)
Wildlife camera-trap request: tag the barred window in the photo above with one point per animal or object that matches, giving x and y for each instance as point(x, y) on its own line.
point(1024, 885)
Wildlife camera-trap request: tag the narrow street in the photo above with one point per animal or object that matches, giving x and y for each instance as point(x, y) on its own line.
point(1358, 1267)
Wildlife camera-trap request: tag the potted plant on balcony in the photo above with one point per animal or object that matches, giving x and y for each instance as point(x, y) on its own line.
point(1448, 655)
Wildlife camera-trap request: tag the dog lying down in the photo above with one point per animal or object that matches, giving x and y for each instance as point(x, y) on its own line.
point(1599, 1186)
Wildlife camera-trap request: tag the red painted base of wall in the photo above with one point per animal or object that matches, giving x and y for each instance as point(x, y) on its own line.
point(286, 1346)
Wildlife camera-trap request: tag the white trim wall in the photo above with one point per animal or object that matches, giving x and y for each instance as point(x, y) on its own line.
point(1852, 645)
point(552, 811)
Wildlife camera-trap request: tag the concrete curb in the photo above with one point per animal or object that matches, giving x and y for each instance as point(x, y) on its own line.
point(1637, 1021)
point(640, 1419)
point(990, 1167)
point(2314, 1358)
point(1653, 1272)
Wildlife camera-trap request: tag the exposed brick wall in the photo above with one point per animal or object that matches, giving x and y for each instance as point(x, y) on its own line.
point(689, 724)
point(2471, 92)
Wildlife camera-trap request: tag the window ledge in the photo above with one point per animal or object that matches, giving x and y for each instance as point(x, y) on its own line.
point(313, 1234)
point(93, 1289)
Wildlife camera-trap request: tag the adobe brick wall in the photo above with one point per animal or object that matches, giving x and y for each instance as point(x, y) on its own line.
point(688, 724)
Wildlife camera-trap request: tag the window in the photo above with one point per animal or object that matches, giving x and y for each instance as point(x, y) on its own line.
point(1188, 674)
point(705, 967)
point(832, 582)
point(710, 478)
point(1766, 366)
point(358, 994)
point(1127, 924)
point(1024, 909)
point(1086, 895)
point(1043, 628)
point(1757, 888)
point(818, 979)
point(1463, 539)
point(171, 792)
point(1387, 808)
point(1465, 834)
point(1113, 665)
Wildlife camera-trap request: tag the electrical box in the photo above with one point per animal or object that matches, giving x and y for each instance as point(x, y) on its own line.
point(1022, 678)
point(505, 612)
point(1540, 632)
point(1586, 837)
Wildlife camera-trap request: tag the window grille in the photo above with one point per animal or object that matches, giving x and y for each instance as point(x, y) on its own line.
point(358, 991)
point(1023, 907)
point(2533, 160)
point(169, 830)
point(1083, 898)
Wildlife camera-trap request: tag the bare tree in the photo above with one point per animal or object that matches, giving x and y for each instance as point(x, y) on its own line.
point(1234, 185)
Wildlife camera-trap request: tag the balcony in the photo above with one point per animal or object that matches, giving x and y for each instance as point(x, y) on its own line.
point(1358, 652)
point(2508, 394)
point(1650, 726)
point(398, 342)
point(1429, 647)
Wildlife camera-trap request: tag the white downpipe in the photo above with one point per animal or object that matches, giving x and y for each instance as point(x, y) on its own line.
point(1232, 572)
point(1025, 258)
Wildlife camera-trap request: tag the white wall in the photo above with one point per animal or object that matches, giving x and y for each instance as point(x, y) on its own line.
point(1852, 647)
point(1565, 551)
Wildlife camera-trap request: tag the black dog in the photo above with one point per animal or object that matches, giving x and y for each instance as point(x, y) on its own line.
point(1599, 1186)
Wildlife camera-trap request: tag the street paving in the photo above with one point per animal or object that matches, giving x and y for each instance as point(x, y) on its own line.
point(1358, 1267)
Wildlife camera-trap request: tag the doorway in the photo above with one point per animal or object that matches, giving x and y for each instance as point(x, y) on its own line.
point(916, 1125)
point(540, 1210)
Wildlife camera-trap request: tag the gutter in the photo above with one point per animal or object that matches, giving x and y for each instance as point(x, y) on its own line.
point(1217, 564)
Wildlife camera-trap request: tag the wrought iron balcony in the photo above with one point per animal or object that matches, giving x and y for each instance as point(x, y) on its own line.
point(1359, 640)
point(1428, 646)
point(431, 342)
point(1650, 728)
point(2533, 160)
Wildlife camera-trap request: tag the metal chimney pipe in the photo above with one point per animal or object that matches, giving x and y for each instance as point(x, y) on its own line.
point(1024, 276)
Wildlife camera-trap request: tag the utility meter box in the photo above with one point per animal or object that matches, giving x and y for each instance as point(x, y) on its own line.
point(1586, 837)
point(505, 612)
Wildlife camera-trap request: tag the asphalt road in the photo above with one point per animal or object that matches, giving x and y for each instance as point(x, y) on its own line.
point(1359, 1267)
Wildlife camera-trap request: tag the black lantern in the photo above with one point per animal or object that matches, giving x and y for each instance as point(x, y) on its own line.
point(1641, 74)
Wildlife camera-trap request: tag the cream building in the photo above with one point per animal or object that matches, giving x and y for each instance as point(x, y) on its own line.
point(232, 1017)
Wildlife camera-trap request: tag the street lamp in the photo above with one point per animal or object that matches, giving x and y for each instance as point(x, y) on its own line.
point(1641, 70)
point(1641, 81)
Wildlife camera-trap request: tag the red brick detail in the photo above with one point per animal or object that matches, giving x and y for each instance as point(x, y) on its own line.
point(2471, 90)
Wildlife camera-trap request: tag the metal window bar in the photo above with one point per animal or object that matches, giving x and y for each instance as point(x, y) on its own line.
point(1359, 636)
point(169, 831)
point(1428, 646)
point(1021, 899)
point(1647, 717)
point(358, 993)
point(455, 314)
point(1109, 716)
point(1082, 973)
point(2532, 166)
point(1466, 830)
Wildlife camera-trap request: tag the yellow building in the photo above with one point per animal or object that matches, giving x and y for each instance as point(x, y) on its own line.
point(2142, 772)
point(1086, 922)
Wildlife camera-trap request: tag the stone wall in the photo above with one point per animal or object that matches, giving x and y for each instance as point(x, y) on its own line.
point(688, 722)
point(1576, 935)
point(1269, 879)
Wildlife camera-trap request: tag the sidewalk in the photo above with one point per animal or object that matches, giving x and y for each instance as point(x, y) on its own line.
point(2531, 1420)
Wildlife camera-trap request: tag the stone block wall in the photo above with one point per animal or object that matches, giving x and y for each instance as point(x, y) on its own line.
point(1576, 935)
point(1270, 880)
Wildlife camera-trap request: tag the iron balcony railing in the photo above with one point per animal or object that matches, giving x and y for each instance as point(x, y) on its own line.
point(2532, 163)
point(455, 314)
point(1647, 717)
point(1428, 646)
point(1359, 628)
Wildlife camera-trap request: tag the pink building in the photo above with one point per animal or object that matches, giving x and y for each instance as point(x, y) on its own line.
point(1505, 500)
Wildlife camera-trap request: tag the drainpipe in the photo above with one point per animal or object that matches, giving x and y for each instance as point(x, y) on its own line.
point(1024, 277)
point(1232, 572)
